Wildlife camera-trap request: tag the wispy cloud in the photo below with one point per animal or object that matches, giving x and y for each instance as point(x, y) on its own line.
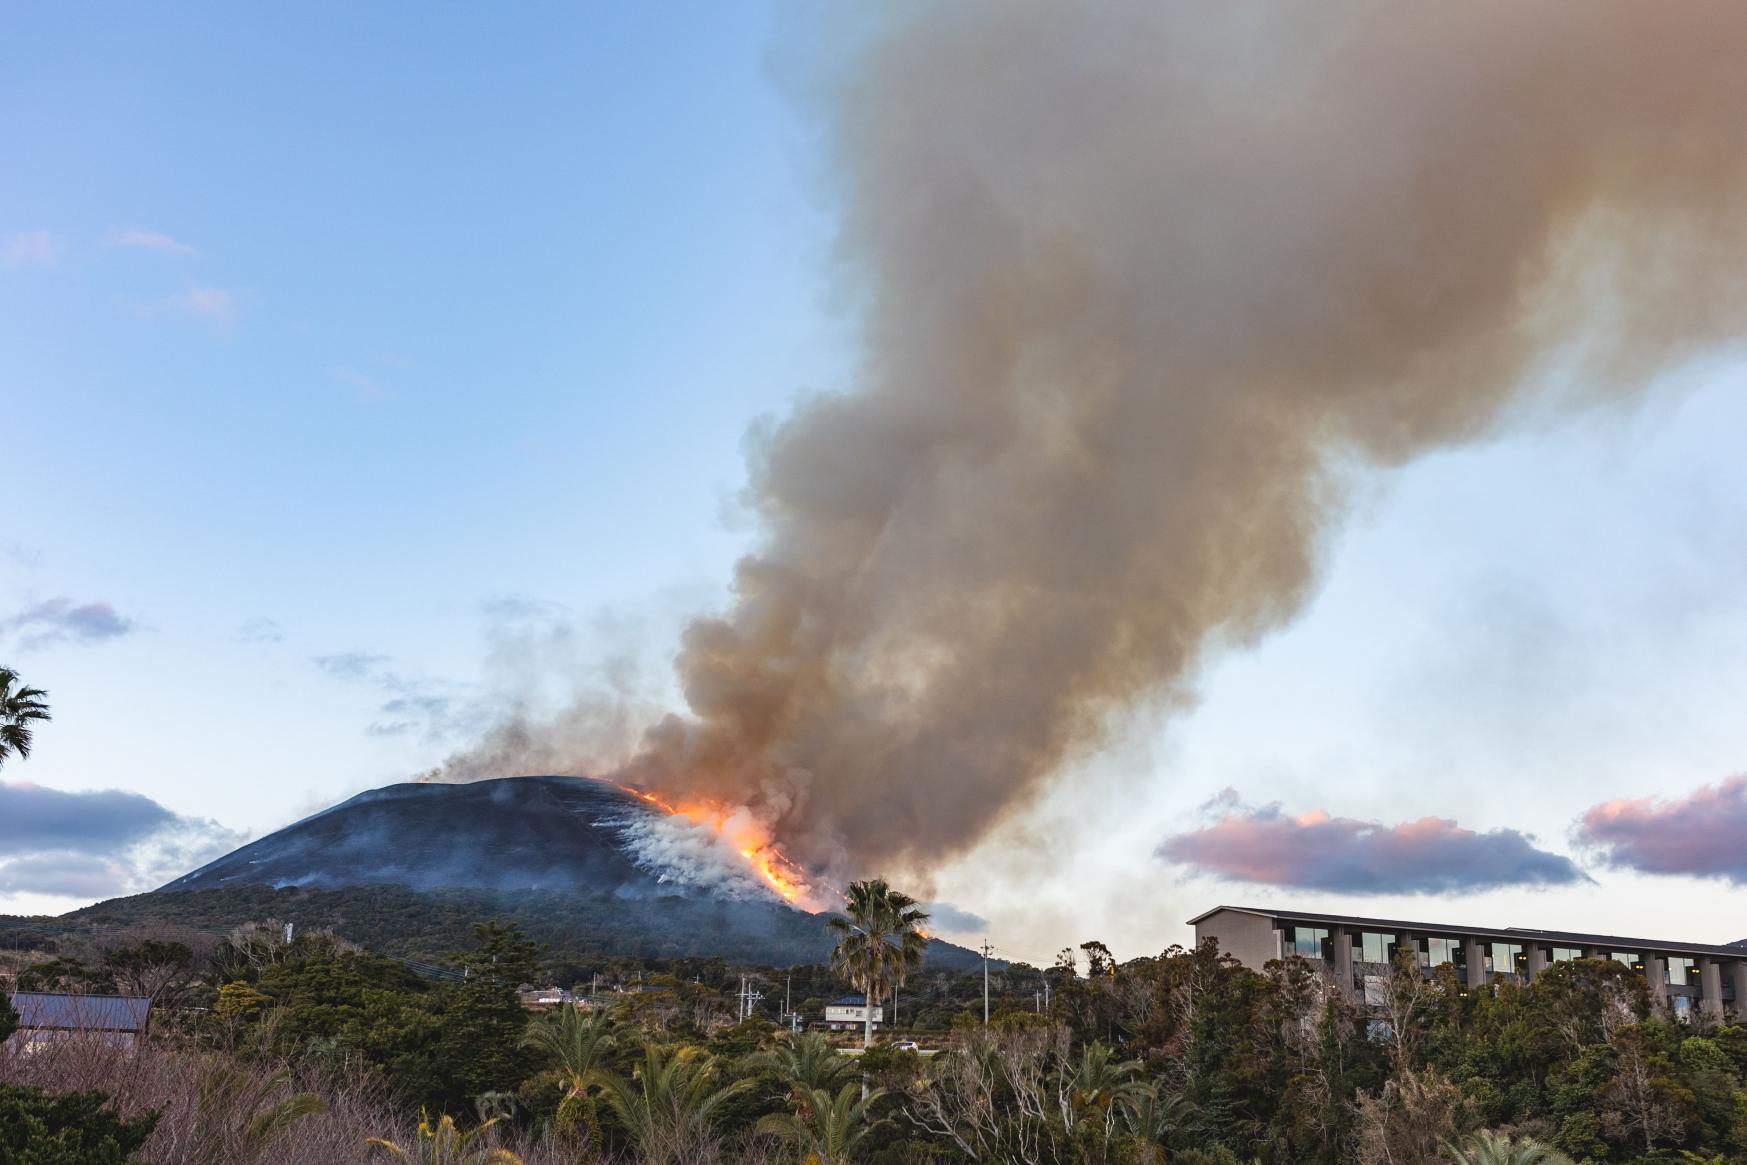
point(30, 249)
point(216, 305)
point(55, 621)
point(1701, 833)
point(18, 554)
point(367, 388)
point(139, 239)
point(1315, 851)
point(98, 844)
point(350, 665)
point(260, 630)
point(431, 709)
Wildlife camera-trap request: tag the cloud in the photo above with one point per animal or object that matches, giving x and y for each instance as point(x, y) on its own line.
point(1699, 834)
point(260, 630)
point(30, 249)
point(1315, 851)
point(350, 665)
point(432, 709)
point(214, 304)
point(18, 554)
point(521, 606)
point(137, 239)
point(366, 386)
point(946, 916)
point(56, 621)
point(98, 844)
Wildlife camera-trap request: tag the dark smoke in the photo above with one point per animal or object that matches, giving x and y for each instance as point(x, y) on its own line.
point(1146, 291)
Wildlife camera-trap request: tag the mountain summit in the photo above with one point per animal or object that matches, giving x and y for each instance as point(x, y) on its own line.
point(570, 834)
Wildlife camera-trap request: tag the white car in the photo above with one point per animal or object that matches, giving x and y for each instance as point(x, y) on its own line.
point(907, 1046)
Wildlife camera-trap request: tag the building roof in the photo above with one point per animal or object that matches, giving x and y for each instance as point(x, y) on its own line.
point(1506, 934)
point(45, 1010)
point(850, 1001)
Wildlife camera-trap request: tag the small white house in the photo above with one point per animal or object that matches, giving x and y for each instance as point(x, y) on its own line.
point(850, 1013)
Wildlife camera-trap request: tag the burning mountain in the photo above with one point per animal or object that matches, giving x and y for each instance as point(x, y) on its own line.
point(1146, 295)
point(519, 833)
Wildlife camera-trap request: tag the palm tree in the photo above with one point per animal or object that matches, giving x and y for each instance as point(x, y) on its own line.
point(578, 1042)
point(1103, 1084)
point(827, 1128)
point(1486, 1148)
point(1152, 1118)
point(669, 1103)
point(19, 706)
point(444, 1144)
point(879, 943)
point(808, 1062)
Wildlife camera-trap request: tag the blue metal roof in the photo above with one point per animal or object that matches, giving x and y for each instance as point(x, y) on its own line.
point(850, 1001)
point(108, 1013)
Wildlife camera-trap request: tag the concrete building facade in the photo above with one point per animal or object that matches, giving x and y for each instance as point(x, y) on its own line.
point(1691, 978)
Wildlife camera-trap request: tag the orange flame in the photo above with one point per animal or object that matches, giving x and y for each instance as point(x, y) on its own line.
point(747, 836)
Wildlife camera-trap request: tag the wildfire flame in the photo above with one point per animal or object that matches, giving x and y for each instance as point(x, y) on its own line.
point(747, 837)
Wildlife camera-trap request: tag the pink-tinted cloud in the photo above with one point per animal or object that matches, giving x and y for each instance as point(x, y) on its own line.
point(1315, 851)
point(1702, 833)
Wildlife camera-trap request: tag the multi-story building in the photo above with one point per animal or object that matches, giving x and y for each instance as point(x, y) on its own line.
point(850, 1014)
point(1691, 977)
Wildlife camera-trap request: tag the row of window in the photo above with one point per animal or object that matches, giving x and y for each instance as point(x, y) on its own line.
point(1498, 957)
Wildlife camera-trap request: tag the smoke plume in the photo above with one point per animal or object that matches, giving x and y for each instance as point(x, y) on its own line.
point(1144, 293)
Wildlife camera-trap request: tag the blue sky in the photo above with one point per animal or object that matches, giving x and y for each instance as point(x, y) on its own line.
point(345, 350)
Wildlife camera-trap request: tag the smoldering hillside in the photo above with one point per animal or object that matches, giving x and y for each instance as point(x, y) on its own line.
point(1145, 292)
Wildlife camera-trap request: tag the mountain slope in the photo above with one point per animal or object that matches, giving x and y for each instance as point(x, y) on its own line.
point(587, 868)
point(516, 833)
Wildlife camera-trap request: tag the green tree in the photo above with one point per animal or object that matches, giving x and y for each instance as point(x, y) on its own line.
point(879, 944)
point(37, 1128)
point(824, 1129)
point(669, 1103)
point(20, 707)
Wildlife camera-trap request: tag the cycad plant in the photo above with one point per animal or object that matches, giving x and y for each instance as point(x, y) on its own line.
point(1486, 1148)
point(826, 1129)
point(578, 1043)
point(808, 1062)
point(879, 944)
point(240, 1119)
point(20, 707)
point(1101, 1083)
point(444, 1144)
point(667, 1106)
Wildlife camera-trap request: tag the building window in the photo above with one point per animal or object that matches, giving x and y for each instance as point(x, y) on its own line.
point(1682, 972)
point(1444, 950)
point(1567, 954)
point(1376, 948)
point(1507, 959)
point(1682, 1008)
point(1630, 958)
point(1308, 941)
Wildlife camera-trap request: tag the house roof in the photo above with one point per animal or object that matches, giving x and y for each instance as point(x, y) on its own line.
point(850, 1001)
point(45, 1010)
point(1507, 934)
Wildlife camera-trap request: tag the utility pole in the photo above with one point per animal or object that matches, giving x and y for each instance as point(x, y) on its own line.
point(787, 1009)
point(987, 951)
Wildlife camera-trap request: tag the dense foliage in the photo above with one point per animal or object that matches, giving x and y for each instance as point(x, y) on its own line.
point(1185, 1057)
